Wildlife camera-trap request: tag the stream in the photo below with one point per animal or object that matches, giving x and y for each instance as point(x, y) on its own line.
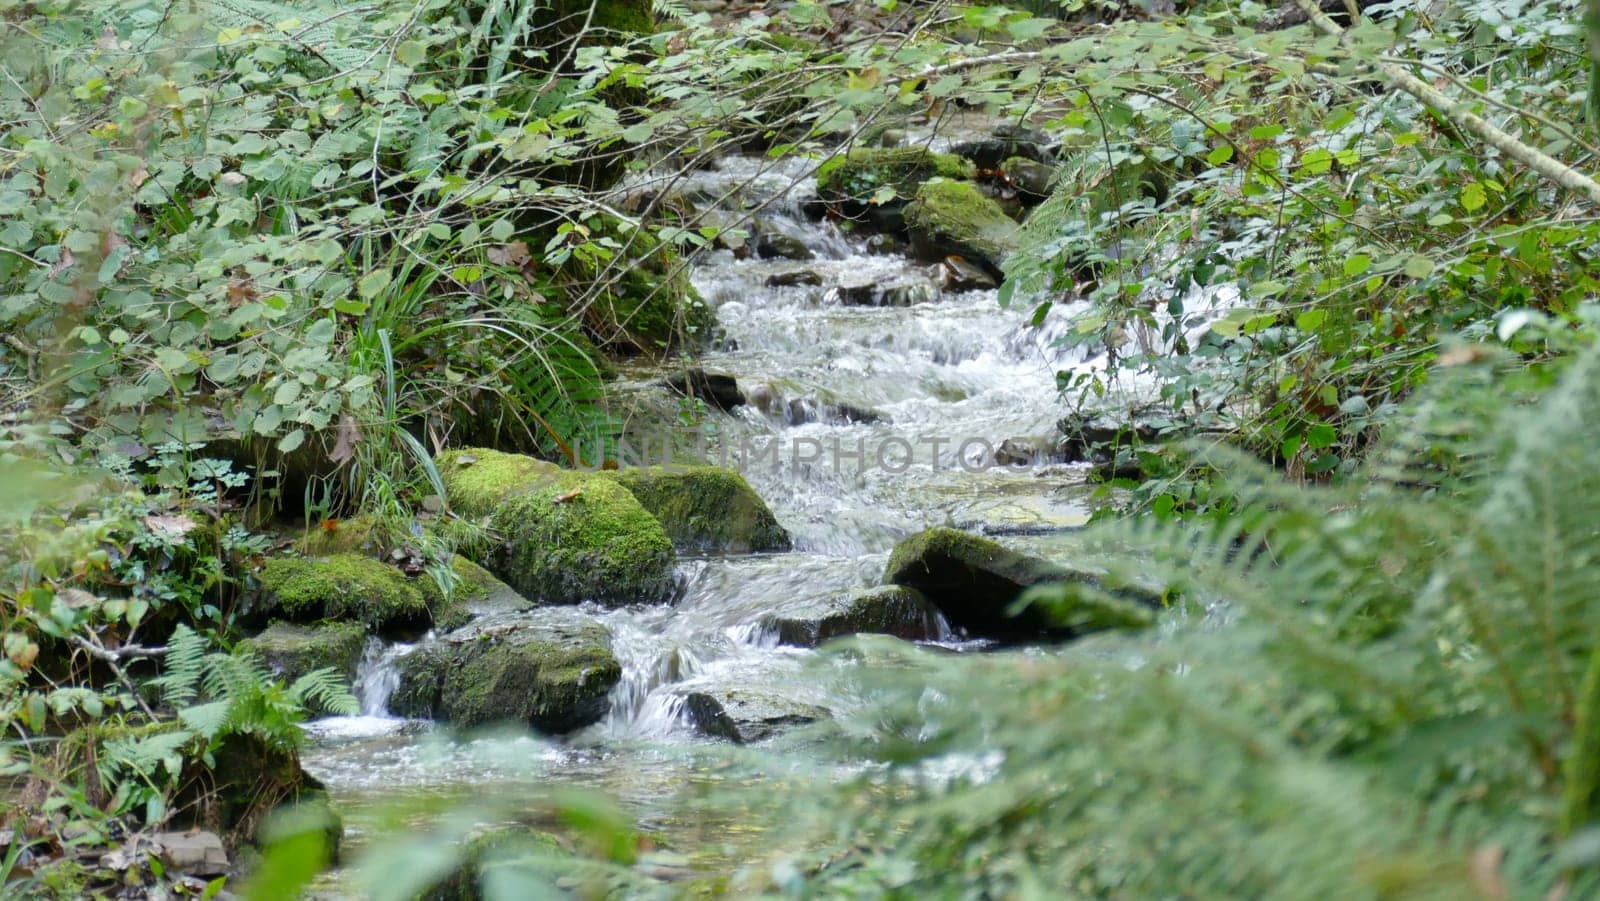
point(821, 374)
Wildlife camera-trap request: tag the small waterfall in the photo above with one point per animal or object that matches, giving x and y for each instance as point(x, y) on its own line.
point(637, 709)
point(378, 676)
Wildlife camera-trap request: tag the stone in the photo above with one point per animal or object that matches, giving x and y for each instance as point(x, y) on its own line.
point(956, 274)
point(975, 581)
point(552, 675)
point(885, 245)
point(565, 536)
point(954, 218)
point(850, 185)
point(707, 509)
point(292, 650)
point(795, 278)
point(200, 853)
point(1030, 179)
point(1099, 435)
point(777, 245)
point(886, 610)
point(900, 294)
point(1004, 142)
point(718, 390)
point(743, 716)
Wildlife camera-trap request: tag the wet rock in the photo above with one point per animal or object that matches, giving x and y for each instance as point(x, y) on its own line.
point(1024, 451)
point(720, 391)
point(951, 218)
point(956, 274)
point(974, 582)
point(776, 245)
point(1099, 435)
point(1030, 179)
point(346, 587)
point(200, 853)
point(885, 244)
point(706, 508)
point(743, 716)
point(799, 411)
point(902, 294)
point(553, 676)
point(292, 650)
point(795, 278)
point(853, 185)
point(565, 536)
point(1004, 142)
point(887, 610)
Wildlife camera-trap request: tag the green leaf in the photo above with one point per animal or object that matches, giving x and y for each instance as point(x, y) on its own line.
point(1311, 320)
point(291, 442)
point(1418, 266)
point(1220, 154)
point(1357, 263)
point(373, 283)
point(411, 53)
point(1473, 197)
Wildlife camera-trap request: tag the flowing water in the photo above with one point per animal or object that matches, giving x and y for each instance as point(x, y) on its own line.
point(841, 392)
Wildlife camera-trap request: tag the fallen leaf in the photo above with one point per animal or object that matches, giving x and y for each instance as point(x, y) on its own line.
point(170, 527)
point(568, 496)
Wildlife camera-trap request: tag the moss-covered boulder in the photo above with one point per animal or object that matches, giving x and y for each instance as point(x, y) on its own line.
point(887, 610)
point(346, 587)
point(553, 675)
point(496, 849)
point(706, 508)
point(853, 185)
point(564, 536)
point(954, 218)
point(293, 650)
point(975, 582)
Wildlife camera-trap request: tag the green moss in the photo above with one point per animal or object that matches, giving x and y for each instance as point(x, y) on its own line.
point(344, 536)
point(346, 586)
point(626, 17)
point(859, 174)
point(954, 217)
point(565, 536)
point(294, 650)
point(706, 508)
point(554, 678)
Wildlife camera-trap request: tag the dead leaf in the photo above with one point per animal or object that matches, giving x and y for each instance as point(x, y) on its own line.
point(1485, 869)
point(76, 598)
point(568, 496)
point(514, 254)
point(344, 446)
point(171, 527)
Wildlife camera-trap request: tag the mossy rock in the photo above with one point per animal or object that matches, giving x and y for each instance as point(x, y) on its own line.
point(975, 581)
point(499, 847)
point(955, 218)
point(346, 587)
point(887, 610)
point(848, 184)
point(294, 650)
point(706, 508)
point(646, 305)
point(554, 677)
point(566, 536)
